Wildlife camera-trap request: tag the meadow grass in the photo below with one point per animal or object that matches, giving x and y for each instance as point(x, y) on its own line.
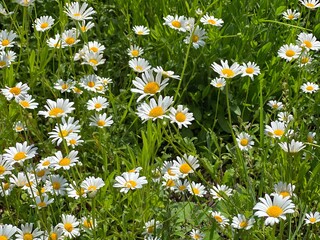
point(121, 175)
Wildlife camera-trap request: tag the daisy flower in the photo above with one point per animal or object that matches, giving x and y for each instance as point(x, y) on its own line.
point(149, 85)
point(181, 185)
point(244, 141)
point(241, 222)
point(275, 104)
point(250, 69)
point(7, 39)
point(292, 147)
point(220, 192)
point(218, 82)
point(59, 108)
point(59, 161)
point(20, 180)
point(291, 15)
point(5, 167)
point(181, 116)
point(9, 56)
point(221, 220)
point(168, 183)
point(19, 90)
point(75, 192)
point(95, 47)
point(88, 223)
point(166, 74)
point(91, 185)
point(196, 189)
point(185, 165)
point(196, 37)
point(62, 132)
point(93, 59)
point(79, 12)
point(211, 20)
point(309, 87)
point(196, 234)
point(284, 189)
point(7, 231)
point(274, 209)
point(26, 231)
point(189, 24)
point(308, 42)
point(69, 37)
point(289, 52)
point(139, 65)
point(56, 42)
point(42, 202)
point(176, 22)
point(43, 23)
point(20, 152)
point(135, 51)
point(276, 129)
point(312, 218)
point(167, 170)
point(85, 26)
point(101, 120)
point(64, 86)
point(141, 30)
point(305, 59)
point(5, 189)
point(4, 61)
point(55, 234)
point(129, 181)
point(19, 126)
point(91, 82)
point(57, 184)
point(27, 102)
point(69, 226)
point(74, 140)
point(97, 103)
point(151, 227)
point(155, 110)
point(285, 117)
point(225, 71)
point(311, 4)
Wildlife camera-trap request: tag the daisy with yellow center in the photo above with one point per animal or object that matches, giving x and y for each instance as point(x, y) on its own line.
point(65, 162)
point(64, 86)
point(176, 22)
point(26, 232)
point(197, 189)
point(219, 218)
point(276, 129)
point(311, 4)
point(135, 51)
point(221, 192)
point(7, 231)
point(185, 165)
point(129, 180)
point(91, 185)
point(56, 42)
point(289, 52)
point(312, 218)
point(79, 12)
point(291, 15)
point(181, 116)
point(309, 87)
point(43, 23)
point(292, 147)
point(70, 37)
point(308, 41)
point(42, 202)
point(181, 186)
point(276, 105)
point(20, 152)
point(97, 103)
point(93, 59)
point(17, 91)
point(58, 108)
point(141, 30)
point(5, 167)
point(7, 39)
point(250, 69)
point(196, 234)
point(244, 141)
point(241, 222)
point(275, 209)
point(197, 37)
point(91, 82)
point(139, 65)
point(69, 226)
point(284, 189)
point(211, 20)
point(226, 71)
point(27, 102)
point(101, 120)
point(151, 227)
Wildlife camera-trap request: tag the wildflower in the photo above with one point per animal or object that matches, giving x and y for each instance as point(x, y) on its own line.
point(241, 222)
point(97, 103)
point(88, 223)
point(273, 209)
point(291, 15)
point(54, 233)
point(62, 132)
point(42, 202)
point(155, 110)
point(75, 192)
point(211, 20)
point(69, 37)
point(312, 218)
point(175, 22)
point(91, 82)
point(167, 170)
point(91, 185)
point(181, 116)
point(196, 37)
point(19, 127)
point(284, 189)
point(168, 182)
point(225, 71)
point(310, 137)
point(129, 181)
point(148, 85)
point(57, 184)
point(166, 74)
point(196, 234)
point(27, 232)
point(199, 11)
point(218, 82)
point(189, 24)
point(275, 104)
point(7, 231)
point(69, 226)
point(59, 161)
point(20, 152)
point(8, 57)
point(141, 30)
point(95, 47)
point(58, 108)
point(43, 23)
point(4, 61)
point(244, 141)
point(220, 192)
point(309, 87)
point(196, 189)
point(5, 167)
point(276, 130)
point(139, 65)
point(185, 165)
point(311, 4)
point(19, 90)
point(5, 189)
point(27, 102)
point(101, 120)
point(56, 42)
point(305, 59)
point(181, 185)
point(151, 227)
point(7, 39)
point(20, 180)
point(134, 51)
point(93, 59)
point(221, 220)
point(308, 41)
point(289, 52)
point(292, 147)
point(74, 140)
point(79, 12)
point(250, 69)
point(64, 86)
point(85, 26)
point(285, 117)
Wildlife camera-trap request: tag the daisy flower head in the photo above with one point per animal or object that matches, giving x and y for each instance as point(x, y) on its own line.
point(211, 20)
point(151, 227)
point(139, 65)
point(309, 87)
point(218, 82)
point(149, 85)
point(274, 209)
point(244, 141)
point(250, 69)
point(311, 4)
point(27, 102)
point(43, 201)
point(221, 192)
point(141, 30)
point(305, 59)
point(64, 86)
point(7, 39)
point(168, 182)
point(69, 37)
point(220, 219)
point(292, 147)
point(59, 161)
point(196, 189)
point(19, 126)
point(5, 167)
point(79, 12)
point(312, 218)
point(69, 226)
point(61, 107)
point(20, 152)
point(62, 132)
point(93, 59)
point(155, 109)
point(91, 185)
point(289, 52)
point(19, 90)
point(95, 47)
point(185, 165)
point(284, 189)
point(134, 51)
point(56, 42)
point(225, 71)
point(285, 117)
point(167, 172)
point(3, 60)
point(308, 41)
point(166, 74)
point(101, 120)
point(181, 185)
point(97, 103)
point(74, 140)
point(73, 191)
point(9, 56)
point(276, 105)
point(43, 23)
point(91, 82)
point(57, 184)
point(85, 26)
point(189, 24)
point(26, 231)
point(7, 231)
point(6, 188)
point(176, 22)
point(181, 116)
point(291, 15)
point(276, 129)
point(196, 234)
point(88, 223)
point(25, 3)
point(54, 233)
point(129, 181)
point(20, 180)
point(241, 222)
point(196, 37)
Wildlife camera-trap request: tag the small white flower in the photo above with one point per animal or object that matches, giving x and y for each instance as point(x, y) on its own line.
point(292, 147)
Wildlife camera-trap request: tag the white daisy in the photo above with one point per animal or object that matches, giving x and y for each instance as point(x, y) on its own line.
point(151, 227)
point(64, 86)
point(59, 108)
point(244, 141)
point(20, 152)
point(79, 12)
point(312, 218)
point(285, 117)
point(57, 184)
point(166, 74)
point(42, 202)
point(308, 41)
point(141, 30)
point(91, 185)
point(69, 226)
point(26, 231)
point(129, 181)
point(181, 186)
point(196, 189)
point(19, 90)
point(221, 192)
point(43, 23)
point(311, 4)
point(139, 65)
point(289, 52)
point(275, 104)
point(176, 22)
point(221, 220)
point(211, 20)
point(185, 165)
point(5, 167)
point(7, 231)
point(85, 26)
point(7, 39)
point(241, 222)
point(311, 137)
point(181, 116)
point(218, 82)
point(93, 59)
point(101, 120)
point(196, 37)
point(225, 71)
point(250, 69)
point(309, 87)
point(291, 15)
point(292, 147)
point(19, 126)
point(284, 189)
point(27, 102)
point(59, 161)
point(276, 129)
point(97, 103)
point(56, 42)
point(70, 37)
point(134, 51)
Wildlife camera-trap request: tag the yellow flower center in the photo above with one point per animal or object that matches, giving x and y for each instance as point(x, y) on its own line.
point(244, 142)
point(80, 192)
point(278, 132)
point(56, 111)
point(274, 211)
point(83, 28)
point(156, 112)
point(68, 227)
point(92, 188)
point(312, 220)
point(27, 236)
point(135, 53)
point(15, 90)
point(284, 193)
point(151, 88)
point(140, 32)
point(2, 169)
point(196, 236)
point(218, 218)
point(307, 43)
point(182, 188)
point(290, 53)
point(76, 14)
point(56, 185)
point(3, 63)
point(94, 49)
point(180, 117)
point(5, 186)
point(196, 191)
point(185, 168)
point(19, 156)
point(243, 224)
point(53, 236)
point(72, 141)
point(310, 5)
point(64, 86)
point(309, 88)
point(291, 16)
point(24, 103)
point(176, 24)
point(170, 172)
point(5, 42)
point(2, 237)
point(63, 133)
point(249, 70)
point(170, 183)
point(93, 61)
point(130, 184)
point(304, 60)
point(228, 72)
point(29, 184)
point(98, 105)
point(101, 123)
point(46, 163)
point(41, 173)
point(42, 204)
point(212, 22)
point(65, 161)
point(150, 229)
point(139, 68)
point(44, 25)
point(70, 40)
point(87, 223)
point(91, 84)
point(195, 38)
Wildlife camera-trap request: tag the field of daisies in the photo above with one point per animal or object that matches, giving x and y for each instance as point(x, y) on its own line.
point(160, 119)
